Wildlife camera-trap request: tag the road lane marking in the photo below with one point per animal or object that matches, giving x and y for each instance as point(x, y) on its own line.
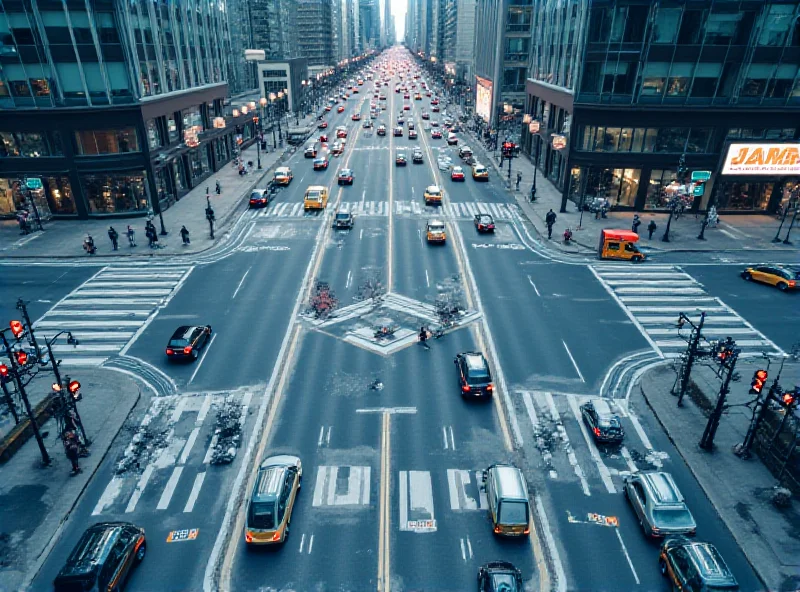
point(535, 289)
point(388, 410)
point(466, 549)
point(324, 436)
point(198, 483)
point(349, 279)
point(605, 475)
point(541, 562)
point(628, 557)
point(236, 291)
point(547, 399)
point(342, 486)
point(140, 485)
point(384, 564)
point(416, 500)
point(574, 363)
point(427, 279)
point(202, 359)
point(189, 444)
point(310, 544)
point(449, 439)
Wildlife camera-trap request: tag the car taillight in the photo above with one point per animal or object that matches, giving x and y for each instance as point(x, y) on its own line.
point(490, 387)
point(187, 349)
point(655, 531)
point(169, 352)
point(527, 530)
point(465, 388)
point(791, 283)
point(596, 431)
point(276, 536)
point(248, 537)
point(497, 530)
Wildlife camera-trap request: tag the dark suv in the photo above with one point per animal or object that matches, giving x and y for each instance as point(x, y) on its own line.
point(693, 566)
point(474, 376)
point(103, 558)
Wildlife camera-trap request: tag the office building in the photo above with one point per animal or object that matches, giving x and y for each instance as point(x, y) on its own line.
point(313, 38)
point(113, 107)
point(272, 23)
point(459, 41)
point(502, 43)
point(627, 89)
point(370, 21)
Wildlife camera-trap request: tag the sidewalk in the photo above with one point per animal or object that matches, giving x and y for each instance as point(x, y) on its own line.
point(37, 500)
point(734, 233)
point(64, 238)
point(738, 489)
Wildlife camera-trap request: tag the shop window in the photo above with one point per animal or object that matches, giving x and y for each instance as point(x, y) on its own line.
point(59, 195)
point(192, 118)
point(679, 78)
point(172, 129)
point(755, 82)
point(619, 186)
point(153, 134)
point(179, 173)
point(665, 28)
point(777, 22)
point(656, 198)
point(654, 78)
point(609, 139)
point(95, 142)
point(733, 195)
point(671, 139)
point(115, 193)
point(11, 196)
point(587, 141)
point(721, 28)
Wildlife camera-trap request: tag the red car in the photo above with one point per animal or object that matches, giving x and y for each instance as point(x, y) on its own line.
point(405, 96)
point(320, 164)
point(436, 109)
point(323, 138)
point(436, 134)
point(322, 125)
point(340, 109)
point(328, 108)
point(434, 101)
point(426, 115)
point(457, 174)
point(412, 134)
point(356, 117)
point(341, 134)
point(406, 107)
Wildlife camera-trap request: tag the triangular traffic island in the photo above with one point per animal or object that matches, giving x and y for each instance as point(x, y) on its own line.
point(359, 323)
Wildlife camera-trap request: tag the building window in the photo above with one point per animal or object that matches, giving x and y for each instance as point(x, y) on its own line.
point(179, 171)
point(654, 78)
point(95, 142)
point(192, 118)
point(59, 195)
point(26, 145)
point(153, 134)
point(618, 77)
point(699, 139)
point(706, 77)
point(665, 28)
point(650, 140)
point(671, 139)
point(777, 22)
point(656, 197)
point(781, 85)
point(40, 86)
point(721, 28)
point(734, 195)
point(590, 82)
point(625, 139)
point(8, 145)
point(691, 28)
point(755, 82)
point(638, 139)
point(679, 78)
point(198, 162)
point(618, 186)
point(172, 129)
point(274, 74)
point(115, 193)
point(11, 196)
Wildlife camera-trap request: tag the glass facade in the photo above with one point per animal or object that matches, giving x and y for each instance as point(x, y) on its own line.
point(29, 144)
point(674, 140)
point(94, 142)
point(115, 193)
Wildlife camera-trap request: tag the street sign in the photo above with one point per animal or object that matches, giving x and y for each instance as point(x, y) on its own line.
point(699, 189)
point(33, 183)
point(701, 176)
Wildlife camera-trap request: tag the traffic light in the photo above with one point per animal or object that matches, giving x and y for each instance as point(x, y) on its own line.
point(758, 382)
point(74, 388)
point(22, 358)
point(17, 328)
point(788, 399)
point(3, 372)
point(508, 149)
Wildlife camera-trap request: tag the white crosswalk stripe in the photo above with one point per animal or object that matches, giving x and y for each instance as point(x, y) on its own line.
point(453, 210)
point(654, 296)
point(106, 312)
point(342, 486)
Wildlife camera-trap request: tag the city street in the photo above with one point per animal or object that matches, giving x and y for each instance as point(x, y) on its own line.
point(392, 455)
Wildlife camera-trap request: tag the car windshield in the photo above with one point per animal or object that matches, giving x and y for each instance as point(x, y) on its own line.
point(478, 376)
point(608, 421)
point(433, 191)
point(513, 513)
point(673, 518)
point(436, 228)
point(485, 220)
point(312, 195)
point(178, 342)
point(342, 216)
point(504, 583)
point(262, 515)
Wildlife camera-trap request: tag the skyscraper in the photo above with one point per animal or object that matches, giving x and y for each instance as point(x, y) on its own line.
point(313, 36)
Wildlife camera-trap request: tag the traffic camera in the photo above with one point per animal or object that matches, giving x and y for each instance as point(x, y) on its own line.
point(17, 328)
point(758, 382)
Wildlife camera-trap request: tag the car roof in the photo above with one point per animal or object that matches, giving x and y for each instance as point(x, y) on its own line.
point(184, 332)
point(435, 222)
point(484, 214)
point(709, 563)
point(431, 188)
point(602, 408)
point(93, 547)
point(475, 361)
point(345, 172)
point(664, 488)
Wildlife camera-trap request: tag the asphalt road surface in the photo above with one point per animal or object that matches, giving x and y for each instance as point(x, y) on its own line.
point(391, 496)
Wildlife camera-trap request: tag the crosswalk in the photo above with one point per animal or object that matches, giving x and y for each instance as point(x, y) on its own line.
point(654, 295)
point(451, 210)
point(108, 310)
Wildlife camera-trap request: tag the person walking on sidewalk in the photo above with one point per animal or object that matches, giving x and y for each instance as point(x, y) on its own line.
point(72, 450)
point(423, 337)
point(519, 179)
point(114, 236)
point(131, 236)
point(218, 188)
point(185, 235)
point(651, 228)
point(636, 223)
point(550, 220)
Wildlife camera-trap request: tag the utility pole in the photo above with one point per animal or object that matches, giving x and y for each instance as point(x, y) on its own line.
point(24, 309)
point(728, 356)
point(694, 343)
point(743, 450)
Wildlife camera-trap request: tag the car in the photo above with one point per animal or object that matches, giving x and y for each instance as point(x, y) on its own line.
point(340, 108)
point(405, 96)
point(434, 101)
point(417, 97)
point(435, 231)
point(480, 172)
point(411, 126)
point(695, 566)
point(322, 125)
point(474, 376)
point(452, 139)
point(187, 341)
point(457, 174)
point(103, 558)
point(320, 164)
point(416, 157)
point(412, 134)
point(381, 130)
point(259, 198)
point(400, 160)
point(337, 149)
point(398, 131)
point(434, 123)
point(327, 107)
point(310, 151)
point(356, 117)
point(484, 223)
point(367, 124)
point(499, 576)
point(323, 137)
point(406, 107)
point(783, 277)
point(658, 504)
point(343, 220)
point(435, 109)
point(400, 120)
point(341, 132)
point(464, 152)
point(426, 115)
point(432, 195)
point(355, 91)
point(275, 490)
point(436, 134)
point(345, 177)
point(602, 422)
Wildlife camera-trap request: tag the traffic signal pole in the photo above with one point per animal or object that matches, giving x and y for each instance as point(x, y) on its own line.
point(743, 450)
point(693, 345)
point(707, 440)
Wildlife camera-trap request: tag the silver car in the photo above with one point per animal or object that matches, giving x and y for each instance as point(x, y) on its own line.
point(658, 504)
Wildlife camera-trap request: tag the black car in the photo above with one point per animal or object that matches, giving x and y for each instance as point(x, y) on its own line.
point(400, 160)
point(474, 376)
point(103, 558)
point(484, 222)
point(602, 422)
point(343, 220)
point(187, 341)
point(499, 576)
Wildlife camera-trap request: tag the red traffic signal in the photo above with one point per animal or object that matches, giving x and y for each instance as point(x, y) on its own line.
point(788, 399)
point(74, 386)
point(22, 358)
point(3, 371)
point(759, 380)
point(17, 328)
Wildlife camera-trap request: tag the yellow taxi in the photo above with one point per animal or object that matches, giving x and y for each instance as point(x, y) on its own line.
point(433, 195)
point(283, 175)
point(435, 231)
point(781, 276)
point(275, 490)
point(316, 198)
point(480, 172)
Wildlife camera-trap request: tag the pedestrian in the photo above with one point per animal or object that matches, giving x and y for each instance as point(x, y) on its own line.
point(73, 451)
point(185, 235)
point(218, 188)
point(605, 207)
point(114, 236)
point(148, 233)
point(519, 179)
point(131, 236)
point(550, 220)
point(22, 220)
point(636, 223)
point(651, 228)
point(423, 337)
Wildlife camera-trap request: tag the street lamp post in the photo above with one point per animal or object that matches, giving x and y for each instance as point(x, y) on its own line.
point(272, 98)
point(673, 203)
point(533, 128)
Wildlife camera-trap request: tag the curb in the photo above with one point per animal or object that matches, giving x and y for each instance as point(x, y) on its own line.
point(699, 478)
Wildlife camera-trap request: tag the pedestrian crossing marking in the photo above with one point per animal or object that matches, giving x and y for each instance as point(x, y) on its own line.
point(342, 486)
point(654, 296)
point(380, 209)
point(416, 502)
point(460, 486)
point(109, 310)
